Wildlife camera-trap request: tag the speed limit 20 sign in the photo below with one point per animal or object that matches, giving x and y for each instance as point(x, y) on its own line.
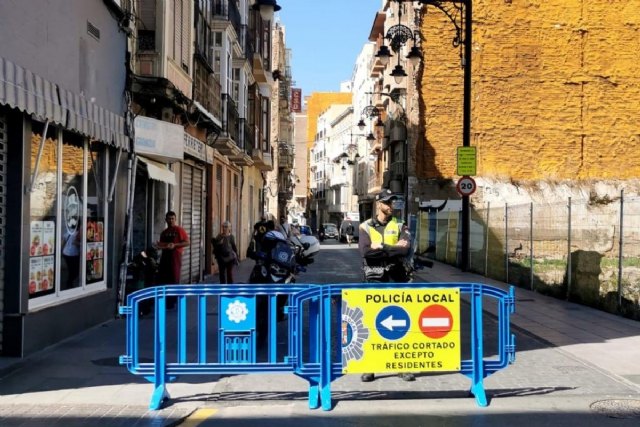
point(466, 186)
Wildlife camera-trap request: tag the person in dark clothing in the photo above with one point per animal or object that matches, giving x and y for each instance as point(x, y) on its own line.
point(349, 233)
point(226, 253)
point(260, 228)
point(384, 244)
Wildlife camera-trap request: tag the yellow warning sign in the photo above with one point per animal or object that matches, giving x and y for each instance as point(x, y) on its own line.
point(400, 330)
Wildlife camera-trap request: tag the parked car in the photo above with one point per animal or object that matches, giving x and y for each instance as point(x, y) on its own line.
point(343, 230)
point(330, 231)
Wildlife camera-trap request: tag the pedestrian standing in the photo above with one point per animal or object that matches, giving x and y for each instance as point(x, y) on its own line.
point(173, 240)
point(384, 244)
point(349, 233)
point(226, 253)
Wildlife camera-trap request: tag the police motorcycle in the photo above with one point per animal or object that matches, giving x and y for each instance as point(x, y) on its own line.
point(278, 261)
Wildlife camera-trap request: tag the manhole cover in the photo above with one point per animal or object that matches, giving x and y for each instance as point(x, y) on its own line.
point(617, 408)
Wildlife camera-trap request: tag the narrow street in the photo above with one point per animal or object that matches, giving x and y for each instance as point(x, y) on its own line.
point(545, 386)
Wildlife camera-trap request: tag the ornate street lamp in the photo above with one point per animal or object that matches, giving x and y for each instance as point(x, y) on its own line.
point(460, 13)
point(266, 8)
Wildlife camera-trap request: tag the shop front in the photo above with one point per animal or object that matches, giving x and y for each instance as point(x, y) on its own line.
point(65, 189)
point(171, 175)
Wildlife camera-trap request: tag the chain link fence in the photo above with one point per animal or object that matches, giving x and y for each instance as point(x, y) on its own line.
point(587, 251)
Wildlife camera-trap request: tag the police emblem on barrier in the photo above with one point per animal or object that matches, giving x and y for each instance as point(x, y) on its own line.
point(354, 334)
point(237, 311)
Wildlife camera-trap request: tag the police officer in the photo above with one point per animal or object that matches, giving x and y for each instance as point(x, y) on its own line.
point(384, 244)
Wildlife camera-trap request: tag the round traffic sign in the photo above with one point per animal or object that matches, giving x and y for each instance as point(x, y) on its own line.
point(466, 186)
point(436, 321)
point(393, 322)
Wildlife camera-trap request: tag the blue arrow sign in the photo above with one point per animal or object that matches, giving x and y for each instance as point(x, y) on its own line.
point(393, 322)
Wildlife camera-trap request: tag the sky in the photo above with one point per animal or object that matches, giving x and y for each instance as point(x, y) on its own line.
point(325, 38)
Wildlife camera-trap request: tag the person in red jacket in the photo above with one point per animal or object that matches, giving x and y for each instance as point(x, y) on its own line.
point(173, 240)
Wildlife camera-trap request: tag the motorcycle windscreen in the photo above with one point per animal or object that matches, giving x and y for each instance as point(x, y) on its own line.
point(282, 254)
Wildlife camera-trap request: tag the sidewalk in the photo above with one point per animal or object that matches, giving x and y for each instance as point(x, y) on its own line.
point(602, 340)
point(81, 379)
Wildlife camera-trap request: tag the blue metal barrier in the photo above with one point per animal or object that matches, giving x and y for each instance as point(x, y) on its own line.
point(309, 310)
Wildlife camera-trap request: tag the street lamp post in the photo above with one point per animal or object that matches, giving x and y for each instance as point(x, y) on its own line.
point(460, 14)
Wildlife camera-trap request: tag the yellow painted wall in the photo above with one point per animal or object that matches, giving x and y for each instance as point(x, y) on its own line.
point(317, 103)
point(556, 90)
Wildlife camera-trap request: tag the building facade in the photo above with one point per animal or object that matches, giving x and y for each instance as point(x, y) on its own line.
point(64, 145)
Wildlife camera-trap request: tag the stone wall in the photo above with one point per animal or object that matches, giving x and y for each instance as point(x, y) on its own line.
point(556, 90)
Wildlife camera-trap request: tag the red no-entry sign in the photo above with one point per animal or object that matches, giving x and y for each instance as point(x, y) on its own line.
point(436, 321)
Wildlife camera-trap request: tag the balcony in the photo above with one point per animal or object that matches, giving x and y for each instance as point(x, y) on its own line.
point(207, 90)
point(285, 156)
point(230, 143)
point(261, 160)
point(337, 207)
point(377, 67)
point(375, 183)
point(226, 12)
point(247, 40)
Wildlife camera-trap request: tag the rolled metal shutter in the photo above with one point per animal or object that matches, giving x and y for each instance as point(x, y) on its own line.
point(192, 222)
point(3, 213)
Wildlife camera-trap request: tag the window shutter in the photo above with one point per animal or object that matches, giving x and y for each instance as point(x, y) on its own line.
point(176, 6)
point(185, 33)
point(147, 13)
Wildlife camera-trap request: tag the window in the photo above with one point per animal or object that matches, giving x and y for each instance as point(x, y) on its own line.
point(217, 52)
point(67, 217)
point(235, 85)
point(264, 125)
point(204, 36)
point(180, 20)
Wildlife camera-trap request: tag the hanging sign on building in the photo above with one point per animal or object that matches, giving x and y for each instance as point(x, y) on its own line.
point(296, 100)
point(159, 140)
point(400, 330)
point(466, 161)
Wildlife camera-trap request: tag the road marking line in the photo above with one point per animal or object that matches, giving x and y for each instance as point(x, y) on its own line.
point(435, 322)
point(198, 417)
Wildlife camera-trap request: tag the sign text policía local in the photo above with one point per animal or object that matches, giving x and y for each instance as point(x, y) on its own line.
point(409, 330)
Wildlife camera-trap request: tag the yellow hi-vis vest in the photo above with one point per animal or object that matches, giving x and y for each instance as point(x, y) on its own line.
point(391, 232)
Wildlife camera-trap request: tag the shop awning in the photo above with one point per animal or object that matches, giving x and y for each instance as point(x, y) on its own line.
point(32, 94)
point(158, 171)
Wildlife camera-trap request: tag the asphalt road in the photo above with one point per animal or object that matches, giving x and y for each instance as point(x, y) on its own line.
point(545, 386)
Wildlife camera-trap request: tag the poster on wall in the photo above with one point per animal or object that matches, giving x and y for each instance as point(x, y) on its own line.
point(36, 238)
point(35, 274)
point(48, 237)
point(42, 264)
point(48, 277)
point(95, 250)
